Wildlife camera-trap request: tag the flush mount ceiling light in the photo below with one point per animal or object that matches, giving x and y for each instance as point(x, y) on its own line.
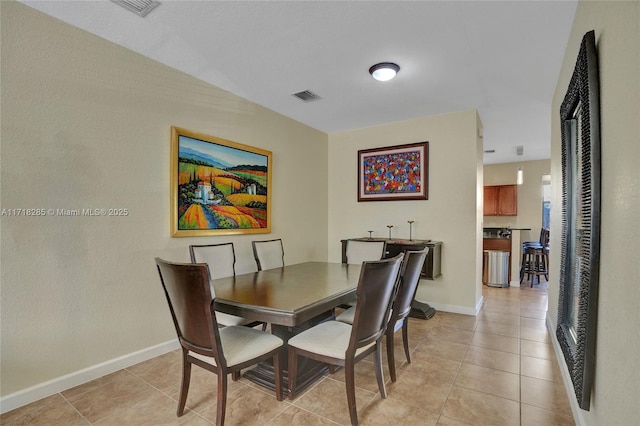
point(384, 71)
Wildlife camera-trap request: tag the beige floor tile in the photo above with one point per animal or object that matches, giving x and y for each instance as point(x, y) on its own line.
point(411, 384)
point(508, 329)
point(533, 313)
point(540, 369)
point(465, 322)
point(507, 307)
point(162, 372)
point(390, 411)
point(247, 406)
point(53, 410)
point(537, 349)
point(425, 360)
point(448, 421)
point(443, 349)
point(537, 335)
point(203, 388)
point(76, 392)
point(37, 405)
point(479, 408)
point(195, 420)
point(490, 358)
point(157, 409)
point(496, 342)
point(120, 394)
point(329, 399)
point(365, 375)
point(450, 334)
point(544, 394)
point(534, 323)
point(488, 380)
point(295, 416)
point(534, 416)
point(499, 318)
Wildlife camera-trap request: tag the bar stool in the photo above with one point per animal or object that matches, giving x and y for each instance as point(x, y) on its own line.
point(534, 263)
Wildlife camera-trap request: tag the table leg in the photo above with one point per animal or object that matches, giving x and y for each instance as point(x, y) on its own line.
point(309, 371)
point(421, 310)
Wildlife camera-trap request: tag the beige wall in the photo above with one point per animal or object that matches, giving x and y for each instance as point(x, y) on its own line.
point(529, 195)
point(86, 124)
point(449, 215)
point(616, 389)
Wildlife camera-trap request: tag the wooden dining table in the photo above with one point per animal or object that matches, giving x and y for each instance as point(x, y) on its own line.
point(291, 299)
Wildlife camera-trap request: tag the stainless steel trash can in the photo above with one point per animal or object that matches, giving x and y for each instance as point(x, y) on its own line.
point(495, 268)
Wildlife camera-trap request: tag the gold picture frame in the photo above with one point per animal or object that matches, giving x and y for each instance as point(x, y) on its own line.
point(218, 187)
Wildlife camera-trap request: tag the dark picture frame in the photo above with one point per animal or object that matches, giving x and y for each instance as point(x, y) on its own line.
point(218, 187)
point(393, 173)
point(580, 242)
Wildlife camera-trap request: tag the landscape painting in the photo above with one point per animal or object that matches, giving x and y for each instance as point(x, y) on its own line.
point(218, 186)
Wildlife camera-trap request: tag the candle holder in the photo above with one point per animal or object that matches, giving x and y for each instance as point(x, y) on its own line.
point(370, 232)
point(389, 226)
point(410, 222)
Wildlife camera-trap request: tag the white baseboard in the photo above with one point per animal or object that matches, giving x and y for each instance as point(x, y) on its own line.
point(566, 377)
point(514, 283)
point(455, 309)
point(68, 381)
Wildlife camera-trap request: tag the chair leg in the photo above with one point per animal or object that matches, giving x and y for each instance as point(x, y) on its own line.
point(405, 339)
point(235, 376)
point(391, 354)
point(377, 364)
point(184, 387)
point(222, 397)
point(277, 371)
point(349, 374)
point(293, 372)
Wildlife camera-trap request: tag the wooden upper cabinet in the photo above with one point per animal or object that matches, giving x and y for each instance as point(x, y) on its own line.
point(490, 200)
point(501, 200)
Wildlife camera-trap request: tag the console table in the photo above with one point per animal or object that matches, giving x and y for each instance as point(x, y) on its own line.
point(430, 271)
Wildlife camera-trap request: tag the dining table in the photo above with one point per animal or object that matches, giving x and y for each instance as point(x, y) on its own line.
point(291, 299)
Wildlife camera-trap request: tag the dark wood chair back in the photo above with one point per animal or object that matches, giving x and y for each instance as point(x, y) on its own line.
point(374, 295)
point(409, 279)
point(188, 293)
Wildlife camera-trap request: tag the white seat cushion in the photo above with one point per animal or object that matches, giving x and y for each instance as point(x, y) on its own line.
point(227, 319)
point(347, 316)
point(240, 344)
point(329, 338)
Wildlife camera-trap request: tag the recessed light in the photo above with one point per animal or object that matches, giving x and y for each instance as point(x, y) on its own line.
point(384, 71)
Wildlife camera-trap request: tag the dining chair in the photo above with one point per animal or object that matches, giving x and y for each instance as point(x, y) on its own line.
point(361, 251)
point(409, 279)
point(222, 351)
point(340, 344)
point(269, 254)
point(221, 259)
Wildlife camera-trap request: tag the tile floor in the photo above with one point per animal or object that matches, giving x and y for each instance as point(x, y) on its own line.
point(498, 368)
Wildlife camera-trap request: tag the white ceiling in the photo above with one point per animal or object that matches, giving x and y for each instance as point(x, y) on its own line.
point(502, 58)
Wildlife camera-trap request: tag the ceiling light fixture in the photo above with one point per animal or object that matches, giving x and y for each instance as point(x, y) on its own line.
point(384, 71)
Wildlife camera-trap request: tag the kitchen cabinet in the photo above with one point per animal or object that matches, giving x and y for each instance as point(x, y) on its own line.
point(501, 200)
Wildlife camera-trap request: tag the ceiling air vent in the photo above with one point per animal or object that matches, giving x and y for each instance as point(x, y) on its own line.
point(139, 7)
point(307, 96)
